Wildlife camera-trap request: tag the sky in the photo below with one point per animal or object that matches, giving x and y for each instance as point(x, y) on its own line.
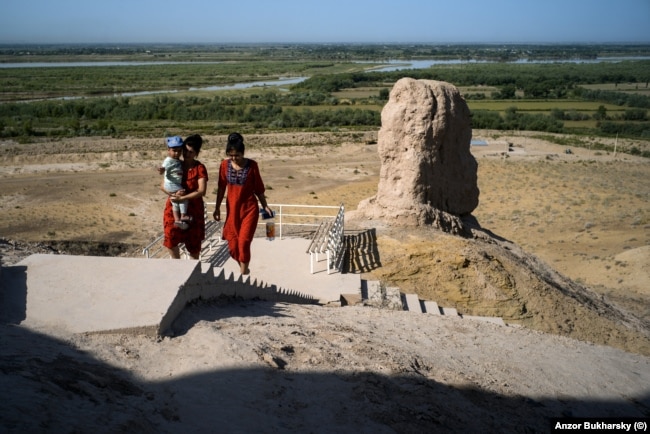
point(329, 21)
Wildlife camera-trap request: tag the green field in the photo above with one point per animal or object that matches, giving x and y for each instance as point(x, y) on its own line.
point(638, 88)
point(540, 106)
point(341, 89)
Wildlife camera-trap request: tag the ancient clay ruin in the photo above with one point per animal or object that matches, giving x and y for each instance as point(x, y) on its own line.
point(428, 175)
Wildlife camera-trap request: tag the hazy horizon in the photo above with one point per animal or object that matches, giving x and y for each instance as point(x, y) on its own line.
point(260, 43)
point(326, 22)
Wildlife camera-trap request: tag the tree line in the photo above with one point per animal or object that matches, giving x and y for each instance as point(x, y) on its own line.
point(537, 81)
point(290, 51)
point(104, 116)
point(312, 105)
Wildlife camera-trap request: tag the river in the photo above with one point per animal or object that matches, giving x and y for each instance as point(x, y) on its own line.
point(393, 65)
point(396, 65)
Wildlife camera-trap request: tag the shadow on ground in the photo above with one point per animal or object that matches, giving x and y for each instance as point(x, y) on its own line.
point(362, 253)
point(49, 386)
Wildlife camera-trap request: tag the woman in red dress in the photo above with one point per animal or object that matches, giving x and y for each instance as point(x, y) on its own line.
point(195, 181)
point(241, 178)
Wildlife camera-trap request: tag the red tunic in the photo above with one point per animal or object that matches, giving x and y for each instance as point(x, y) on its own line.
point(195, 234)
point(242, 212)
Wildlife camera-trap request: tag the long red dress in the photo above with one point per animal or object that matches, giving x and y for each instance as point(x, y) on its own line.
point(242, 212)
point(193, 236)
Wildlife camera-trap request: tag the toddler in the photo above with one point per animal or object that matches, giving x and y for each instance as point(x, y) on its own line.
point(173, 171)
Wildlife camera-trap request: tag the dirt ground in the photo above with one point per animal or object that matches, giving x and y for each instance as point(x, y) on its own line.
point(585, 214)
point(562, 255)
point(285, 368)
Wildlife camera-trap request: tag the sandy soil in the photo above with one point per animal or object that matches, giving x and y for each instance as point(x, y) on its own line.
point(586, 214)
point(273, 368)
point(269, 368)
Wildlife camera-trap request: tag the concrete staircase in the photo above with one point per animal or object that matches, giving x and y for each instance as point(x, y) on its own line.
point(374, 293)
point(223, 283)
point(88, 294)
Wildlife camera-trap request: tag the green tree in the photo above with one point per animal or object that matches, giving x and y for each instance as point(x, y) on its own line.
point(601, 113)
point(635, 115)
point(28, 128)
point(506, 92)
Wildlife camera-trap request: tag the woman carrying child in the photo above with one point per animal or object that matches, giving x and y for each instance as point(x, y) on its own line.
point(195, 181)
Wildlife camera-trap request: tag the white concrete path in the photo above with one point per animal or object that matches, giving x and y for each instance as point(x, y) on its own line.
point(285, 263)
point(78, 294)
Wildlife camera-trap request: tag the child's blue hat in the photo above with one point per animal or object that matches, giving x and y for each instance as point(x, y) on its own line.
point(174, 141)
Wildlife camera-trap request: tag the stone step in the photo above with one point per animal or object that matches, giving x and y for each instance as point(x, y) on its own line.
point(374, 294)
point(449, 311)
point(412, 303)
point(371, 291)
point(244, 286)
point(393, 298)
point(431, 307)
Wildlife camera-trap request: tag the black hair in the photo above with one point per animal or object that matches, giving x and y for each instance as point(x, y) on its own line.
point(194, 141)
point(235, 143)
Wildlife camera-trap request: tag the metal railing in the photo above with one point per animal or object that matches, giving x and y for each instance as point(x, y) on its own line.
point(286, 215)
point(289, 215)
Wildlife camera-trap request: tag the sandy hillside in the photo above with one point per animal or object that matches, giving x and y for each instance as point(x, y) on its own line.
point(584, 214)
point(562, 250)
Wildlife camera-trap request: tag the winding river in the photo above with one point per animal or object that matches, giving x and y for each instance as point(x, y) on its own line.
point(388, 66)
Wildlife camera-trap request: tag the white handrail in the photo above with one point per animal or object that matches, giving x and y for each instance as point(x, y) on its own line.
point(280, 214)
